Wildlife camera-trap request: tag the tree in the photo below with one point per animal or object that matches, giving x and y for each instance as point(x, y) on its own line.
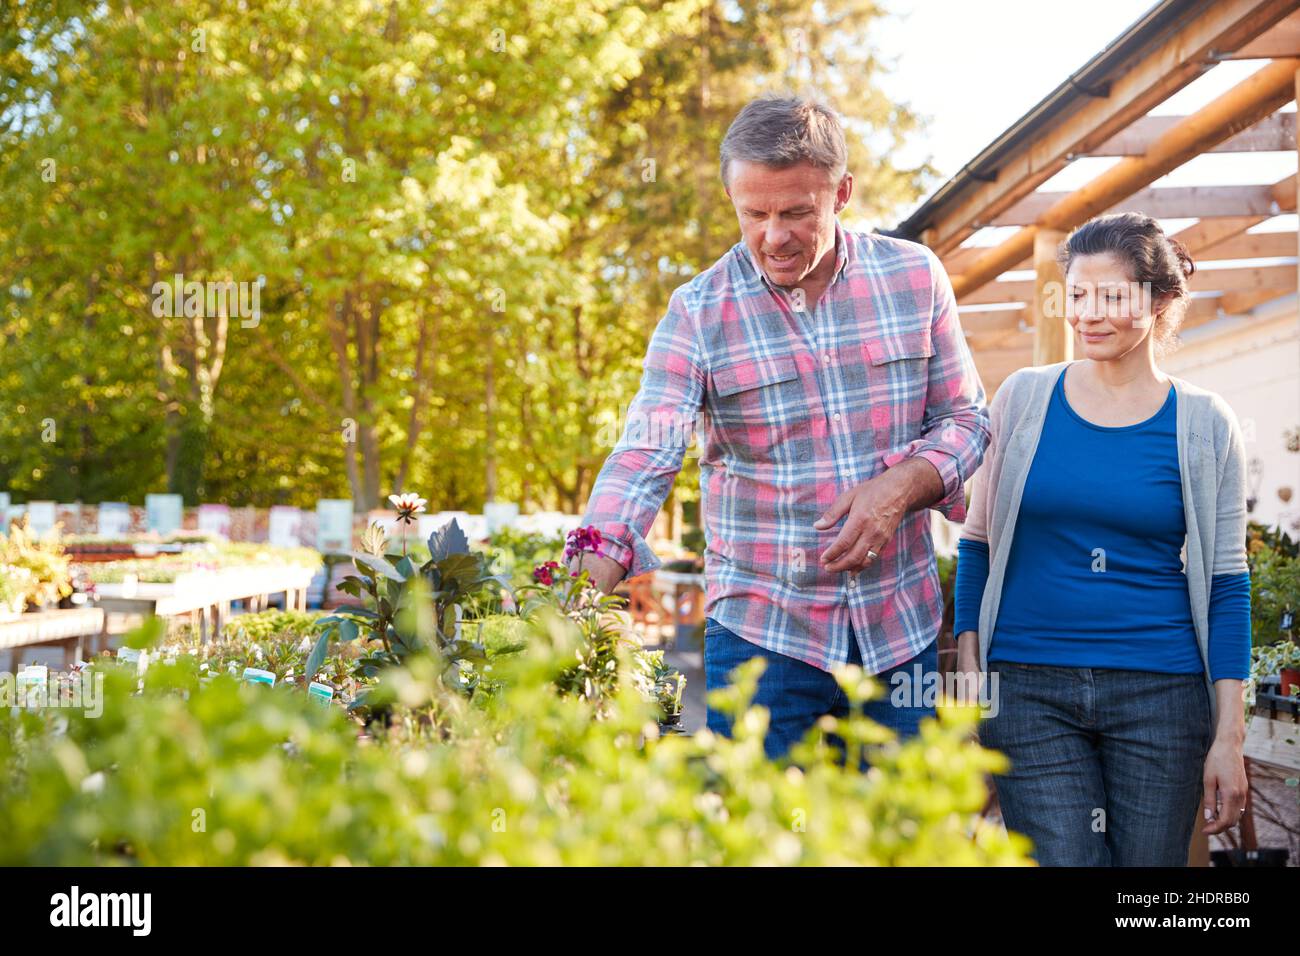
point(459, 224)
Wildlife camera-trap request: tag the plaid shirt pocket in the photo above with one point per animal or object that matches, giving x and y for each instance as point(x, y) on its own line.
point(760, 408)
point(897, 378)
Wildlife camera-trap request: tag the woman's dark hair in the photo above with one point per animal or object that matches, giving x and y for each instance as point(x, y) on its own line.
point(1151, 257)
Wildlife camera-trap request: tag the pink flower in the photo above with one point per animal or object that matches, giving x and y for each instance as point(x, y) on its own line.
point(583, 539)
point(545, 573)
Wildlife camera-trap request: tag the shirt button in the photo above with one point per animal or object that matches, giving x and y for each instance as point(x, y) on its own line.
point(826, 359)
point(853, 582)
point(837, 416)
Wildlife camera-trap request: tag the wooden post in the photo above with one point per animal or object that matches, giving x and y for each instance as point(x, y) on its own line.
point(1053, 337)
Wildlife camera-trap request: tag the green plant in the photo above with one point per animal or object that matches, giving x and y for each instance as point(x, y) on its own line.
point(1258, 535)
point(1268, 660)
point(15, 584)
point(515, 553)
point(266, 625)
point(1274, 593)
point(43, 558)
point(215, 772)
point(410, 609)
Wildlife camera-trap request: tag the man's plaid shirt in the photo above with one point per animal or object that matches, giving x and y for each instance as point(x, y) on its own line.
point(791, 408)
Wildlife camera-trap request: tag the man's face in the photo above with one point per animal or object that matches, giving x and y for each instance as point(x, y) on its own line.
point(787, 216)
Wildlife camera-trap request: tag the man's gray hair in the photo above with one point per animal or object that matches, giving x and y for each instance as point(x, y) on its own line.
point(781, 131)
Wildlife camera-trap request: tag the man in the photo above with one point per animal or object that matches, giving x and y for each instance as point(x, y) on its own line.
point(838, 403)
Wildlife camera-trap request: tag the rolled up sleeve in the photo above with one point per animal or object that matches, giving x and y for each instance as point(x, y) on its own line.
point(661, 422)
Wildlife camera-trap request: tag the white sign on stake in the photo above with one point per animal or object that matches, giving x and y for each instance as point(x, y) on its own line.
point(215, 519)
point(334, 525)
point(114, 519)
point(283, 526)
point(40, 516)
point(163, 513)
point(500, 514)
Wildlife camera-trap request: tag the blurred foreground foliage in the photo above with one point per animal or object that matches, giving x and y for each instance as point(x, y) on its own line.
point(186, 767)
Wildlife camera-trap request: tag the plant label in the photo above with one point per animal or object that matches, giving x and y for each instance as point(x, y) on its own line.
point(257, 676)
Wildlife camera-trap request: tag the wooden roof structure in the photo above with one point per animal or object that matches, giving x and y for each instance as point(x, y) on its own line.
point(1103, 110)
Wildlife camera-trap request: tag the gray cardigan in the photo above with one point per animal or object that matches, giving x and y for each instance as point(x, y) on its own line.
point(1211, 458)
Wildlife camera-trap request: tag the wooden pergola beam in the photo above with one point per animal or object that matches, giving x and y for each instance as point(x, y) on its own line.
point(1167, 202)
point(1281, 39)
point(1258, 95)
point(997, 364)
point(1237, 303)
point(1276, 133)
point(1255, 245)
point(1004, 339)
point(1184, 55)
point(1204, 235)
point(1207, 280)
point(1014, 291)
point(1198, 237)
point(992, 320)
point(1202, 309)
point(1245, 280)
point(957, 261)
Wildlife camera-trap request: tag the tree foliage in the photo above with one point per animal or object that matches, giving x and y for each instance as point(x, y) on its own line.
point(460, 224)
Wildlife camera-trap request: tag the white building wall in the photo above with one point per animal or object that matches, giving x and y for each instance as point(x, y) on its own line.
point(1254, 363)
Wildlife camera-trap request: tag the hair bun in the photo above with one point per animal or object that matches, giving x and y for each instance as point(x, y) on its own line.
point(1184, 258)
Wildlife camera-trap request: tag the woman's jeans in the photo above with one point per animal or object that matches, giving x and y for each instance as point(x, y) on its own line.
point(797, 694)
point(1106, 765)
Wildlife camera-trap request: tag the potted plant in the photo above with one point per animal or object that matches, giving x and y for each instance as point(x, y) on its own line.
point(1282, 659)
point(14, 585)
point(409, 609)
point(1289, 668)
point(51, 579)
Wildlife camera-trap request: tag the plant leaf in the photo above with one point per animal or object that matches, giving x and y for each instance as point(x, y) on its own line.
point(372, 563)
point(448, 540)
point(317, 656)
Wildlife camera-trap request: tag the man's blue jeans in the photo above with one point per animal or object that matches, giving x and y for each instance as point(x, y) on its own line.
point(1106, 765)
point(797, 694)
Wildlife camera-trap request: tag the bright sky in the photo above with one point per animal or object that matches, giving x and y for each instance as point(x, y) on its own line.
point(972, 69)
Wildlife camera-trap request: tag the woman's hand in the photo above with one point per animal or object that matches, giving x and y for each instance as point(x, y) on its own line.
point(1225, 785)
point(967, 690)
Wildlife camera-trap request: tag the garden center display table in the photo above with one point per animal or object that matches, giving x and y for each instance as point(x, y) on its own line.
point(1272, 741)
point(67, 628)
point(206, 596)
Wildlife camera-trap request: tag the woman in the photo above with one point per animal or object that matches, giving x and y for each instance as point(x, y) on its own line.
point(1118, 665)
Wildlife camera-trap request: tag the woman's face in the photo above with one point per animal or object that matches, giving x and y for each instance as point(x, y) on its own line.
point(1111, 313)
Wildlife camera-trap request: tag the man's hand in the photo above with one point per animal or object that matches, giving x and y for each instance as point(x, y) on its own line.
point(605, 572)
point(874, 509)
